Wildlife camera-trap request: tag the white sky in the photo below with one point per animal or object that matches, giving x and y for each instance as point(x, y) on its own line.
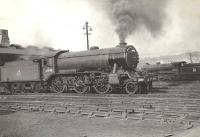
point(58, 24)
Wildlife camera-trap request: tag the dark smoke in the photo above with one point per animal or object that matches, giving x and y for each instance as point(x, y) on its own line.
point(32, 52)
point(129, 15)
point(35, 50)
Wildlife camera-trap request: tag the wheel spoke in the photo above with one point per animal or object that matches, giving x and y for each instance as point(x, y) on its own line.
point(131, 87)
point(103, 89)
point(102, 86)
point(57, 85)
point(80, 87)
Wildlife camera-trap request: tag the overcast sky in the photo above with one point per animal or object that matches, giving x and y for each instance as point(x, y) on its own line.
point(59, 23)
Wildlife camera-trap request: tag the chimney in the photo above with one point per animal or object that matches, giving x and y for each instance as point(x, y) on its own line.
point(4, 39)
point(122, 44)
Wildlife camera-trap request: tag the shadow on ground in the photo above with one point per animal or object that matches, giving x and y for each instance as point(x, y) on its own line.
point(178, 83)
point(6, 112)
point(159, 90)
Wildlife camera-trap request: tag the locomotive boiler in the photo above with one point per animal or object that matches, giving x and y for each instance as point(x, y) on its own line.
point(98, 69)
point(124, 56)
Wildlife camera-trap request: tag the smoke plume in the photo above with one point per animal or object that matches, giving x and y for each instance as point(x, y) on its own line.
point(129, 15)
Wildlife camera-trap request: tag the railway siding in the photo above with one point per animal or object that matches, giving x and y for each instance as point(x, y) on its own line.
point(129, 111)
point(168, 107)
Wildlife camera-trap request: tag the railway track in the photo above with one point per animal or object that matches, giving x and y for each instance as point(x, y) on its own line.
point(168, 106)
point(166, 110)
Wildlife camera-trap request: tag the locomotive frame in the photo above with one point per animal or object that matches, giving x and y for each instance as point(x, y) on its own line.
point(53, 77)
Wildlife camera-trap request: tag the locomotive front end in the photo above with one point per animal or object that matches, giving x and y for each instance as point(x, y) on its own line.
point(131, 57)
point(127, 58)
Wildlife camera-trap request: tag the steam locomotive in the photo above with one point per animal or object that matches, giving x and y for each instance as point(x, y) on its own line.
point(99, 69)
point(174, 71)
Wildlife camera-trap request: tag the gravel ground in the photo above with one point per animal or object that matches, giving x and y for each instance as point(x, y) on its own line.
point(41, 124)
point(38, 124)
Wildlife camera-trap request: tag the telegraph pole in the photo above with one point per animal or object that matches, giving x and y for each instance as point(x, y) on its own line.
point(190, 57)
point(87, 29)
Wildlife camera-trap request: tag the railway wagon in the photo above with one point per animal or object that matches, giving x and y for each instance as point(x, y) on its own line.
point(190, 71)
point(98, 69)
